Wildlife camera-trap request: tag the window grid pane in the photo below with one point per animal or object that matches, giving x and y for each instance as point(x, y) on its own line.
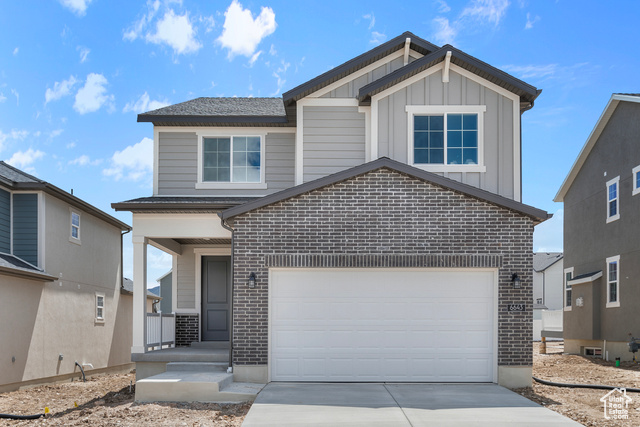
point(428, 140)
point(216, 159)
point(231, 159)
point(462, 139)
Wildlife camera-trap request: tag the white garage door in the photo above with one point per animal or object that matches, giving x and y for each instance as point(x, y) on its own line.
point(381, 325)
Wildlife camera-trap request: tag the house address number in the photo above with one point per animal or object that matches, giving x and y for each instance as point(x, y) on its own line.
point(515, 307)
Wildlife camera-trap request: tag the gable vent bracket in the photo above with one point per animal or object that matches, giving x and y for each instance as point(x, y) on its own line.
point(447, 66)
point(407, 45)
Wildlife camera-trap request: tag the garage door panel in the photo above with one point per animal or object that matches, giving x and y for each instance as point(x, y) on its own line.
point(381, 325)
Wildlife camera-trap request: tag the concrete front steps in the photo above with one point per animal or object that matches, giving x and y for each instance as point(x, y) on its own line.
point(195, 382)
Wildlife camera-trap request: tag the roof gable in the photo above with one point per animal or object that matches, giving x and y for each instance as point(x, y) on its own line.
point(602, 122)
point(544, 260)
point(535, 214)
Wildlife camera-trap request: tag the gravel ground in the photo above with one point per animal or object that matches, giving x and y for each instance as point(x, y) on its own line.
point(582, 405)
point(107, 400)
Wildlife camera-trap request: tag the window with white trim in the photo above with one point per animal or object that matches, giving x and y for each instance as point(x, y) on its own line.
point(635, 185)
point(231, 161)
point(568, 275)
point(75, 227)
point(99, 307)
point(446, 138)
point(613, 281)
point(613, 208)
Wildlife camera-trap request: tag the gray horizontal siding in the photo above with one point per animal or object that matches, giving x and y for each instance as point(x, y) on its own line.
point(25, 227)
point(498, 127)
point(178, 165)
point(186, 289)
point(5, 221)
point(351, 88)
point(334, 140)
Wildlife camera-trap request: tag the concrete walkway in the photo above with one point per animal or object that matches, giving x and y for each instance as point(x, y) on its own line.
point(375, 404)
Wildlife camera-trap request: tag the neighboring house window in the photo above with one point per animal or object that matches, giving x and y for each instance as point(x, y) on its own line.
point(75, 227)
point(568, 275)
point(613, 281)
point(446, 138)
point(635, 174)
point(231, 162)
point(613, 208)
point(99, 307)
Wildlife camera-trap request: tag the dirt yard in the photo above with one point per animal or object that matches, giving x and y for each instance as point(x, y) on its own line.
point(582, 405)
point(107, 400)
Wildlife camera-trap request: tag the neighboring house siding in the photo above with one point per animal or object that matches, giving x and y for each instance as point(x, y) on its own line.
point(334, 140)
point(5, 221)
point(589, 240)
point(166, 293)
point(498, 127)
point(25, 227)
point(178, 165)
point(382, 219)
point(351, 88)
point(186, 289)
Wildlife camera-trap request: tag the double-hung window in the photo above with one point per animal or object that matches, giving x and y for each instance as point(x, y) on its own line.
point(99, 307)
point(231, 162)
point(613, 208)
point(446, 138)
point(613, 281)
point(74, 235)
point(635, 185)
point(568, 275)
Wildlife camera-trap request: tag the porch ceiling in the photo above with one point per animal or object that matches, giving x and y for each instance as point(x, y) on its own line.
point(204, 241)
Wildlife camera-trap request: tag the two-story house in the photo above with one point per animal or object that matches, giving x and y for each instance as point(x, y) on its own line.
point(62, 307)
point(601, 198)
point(367, 226)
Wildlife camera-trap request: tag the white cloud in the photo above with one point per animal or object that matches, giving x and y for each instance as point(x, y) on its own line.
point(445, 33)
point(175, 31)
point(254, 58)
point(443, 7)
point(530, 22)
point(532, 71)
point(134, 163)
point(490, 11)
point(144, 104)
point(242, 33)
point(2, 97)
point(84, 53)
point(79, 7)
point(372, 19)
point(70, 145)
point(18, 135)
point(60, 89)
point(85, 160)
point(377, 38)
point(208, 22)
point(93, 95)
point(55, 133)
point(23, 159)
point(547, 237)
point(273, 51)
point(137, 28)
point(15, 51)
point(17, 95)
point(279, 75)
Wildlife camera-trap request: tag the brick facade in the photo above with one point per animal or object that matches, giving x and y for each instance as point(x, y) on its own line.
point(382, 219)
point(187, 329)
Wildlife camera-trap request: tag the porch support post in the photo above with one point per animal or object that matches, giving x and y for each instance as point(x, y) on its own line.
point(139, 294)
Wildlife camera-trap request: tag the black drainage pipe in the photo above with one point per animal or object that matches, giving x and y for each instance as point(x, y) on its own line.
point(21, 417)
point(593, 386)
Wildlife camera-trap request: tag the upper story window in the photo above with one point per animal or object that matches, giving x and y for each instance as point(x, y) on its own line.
point(446, 138)
point(231, 162)
point(99, 307)
point(613, 281)
point(568, 275)
point(75, 227)
point(635, 174)
point(613, 211)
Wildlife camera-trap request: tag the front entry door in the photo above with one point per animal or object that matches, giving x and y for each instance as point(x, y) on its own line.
point(216, 298)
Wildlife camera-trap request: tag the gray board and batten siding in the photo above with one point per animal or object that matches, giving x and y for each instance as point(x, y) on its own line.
point(498, 127)
point(178, 165)
point(5, 222)
point(25, 227)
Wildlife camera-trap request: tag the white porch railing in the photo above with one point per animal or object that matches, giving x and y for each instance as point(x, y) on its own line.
point(161, 330)
point(552, 320)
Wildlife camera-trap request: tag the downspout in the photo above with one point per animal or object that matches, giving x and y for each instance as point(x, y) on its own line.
point(233, 280)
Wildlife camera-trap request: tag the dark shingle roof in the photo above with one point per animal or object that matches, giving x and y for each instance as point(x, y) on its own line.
point(127, 286)
point(9, 173)
point(14, 266)
point(544, 260)
point(220, 111)
point(178, 203)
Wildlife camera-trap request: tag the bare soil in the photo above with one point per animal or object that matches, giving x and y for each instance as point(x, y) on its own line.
point(582, 405)
point(107, 400)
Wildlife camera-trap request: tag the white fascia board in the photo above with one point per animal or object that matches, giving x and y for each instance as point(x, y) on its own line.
point(367, 131)
point(586, 279)
point(156, 157)
point(362, 72)
point(299, 155)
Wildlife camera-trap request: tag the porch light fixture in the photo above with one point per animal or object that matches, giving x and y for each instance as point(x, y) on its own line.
point(515, 279)
point(252, 280)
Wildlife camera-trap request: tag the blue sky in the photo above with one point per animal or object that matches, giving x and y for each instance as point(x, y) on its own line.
point(74, 74)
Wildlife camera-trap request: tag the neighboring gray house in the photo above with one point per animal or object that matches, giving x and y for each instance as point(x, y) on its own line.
point(601, 198)
point(60, 285)
point(367, 226)
point(166, 292)
point(547, 287)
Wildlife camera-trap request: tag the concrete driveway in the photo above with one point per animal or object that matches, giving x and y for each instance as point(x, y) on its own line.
point(376, 404)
